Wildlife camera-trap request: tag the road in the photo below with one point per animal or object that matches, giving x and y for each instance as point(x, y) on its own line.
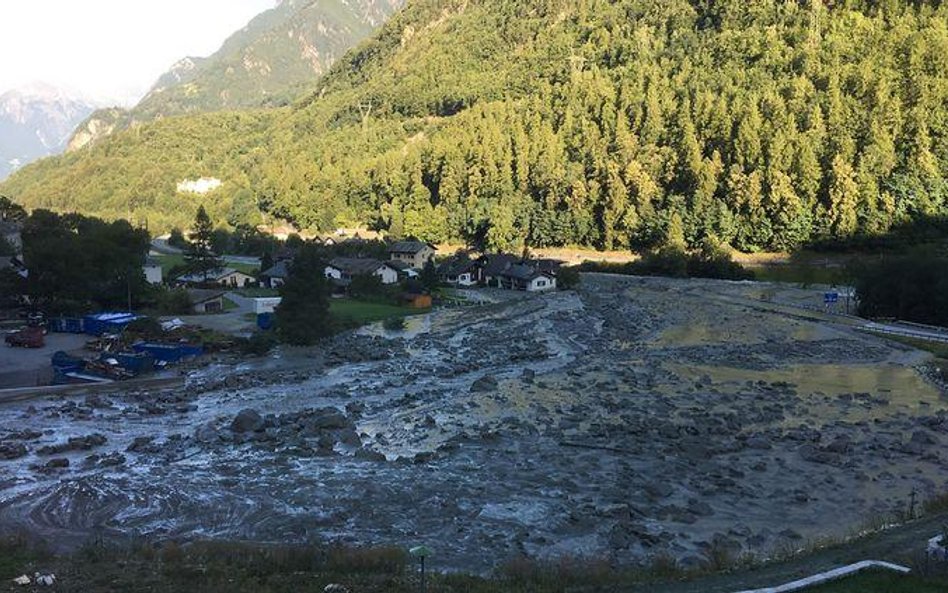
point(908, 330)
point(160, 245)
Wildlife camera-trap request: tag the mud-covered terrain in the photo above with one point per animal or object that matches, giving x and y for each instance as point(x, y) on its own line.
point(631, 418)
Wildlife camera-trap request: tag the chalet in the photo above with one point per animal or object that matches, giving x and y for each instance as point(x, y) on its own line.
point(495, 264)
point(206, 301)
point(527, 277)
point(341, 270)
point(460, 270)
point(152, 270)
point(405, 271)
point(228, 277)
point(414, 253)
point(275, 276)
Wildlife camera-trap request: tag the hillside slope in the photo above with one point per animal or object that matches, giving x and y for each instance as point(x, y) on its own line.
point(595, 122)
point(271, 61)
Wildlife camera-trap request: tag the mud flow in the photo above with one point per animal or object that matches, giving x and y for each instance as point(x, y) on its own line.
point(626, 419)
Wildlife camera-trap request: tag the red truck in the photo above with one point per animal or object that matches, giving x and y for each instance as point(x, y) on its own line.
point(28, 337)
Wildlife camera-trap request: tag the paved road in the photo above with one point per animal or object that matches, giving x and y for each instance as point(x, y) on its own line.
point(907, 330)
point(160, 245)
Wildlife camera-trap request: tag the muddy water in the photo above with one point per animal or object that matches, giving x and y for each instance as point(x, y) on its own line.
point(634, 418)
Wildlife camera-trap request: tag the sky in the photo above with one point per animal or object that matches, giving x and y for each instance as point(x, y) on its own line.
point(111, 51)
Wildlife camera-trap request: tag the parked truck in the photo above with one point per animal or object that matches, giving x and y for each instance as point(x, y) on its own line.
point(28, 337)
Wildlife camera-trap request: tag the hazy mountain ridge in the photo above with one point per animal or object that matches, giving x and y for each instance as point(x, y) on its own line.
point(37, 121)
point(271, 61)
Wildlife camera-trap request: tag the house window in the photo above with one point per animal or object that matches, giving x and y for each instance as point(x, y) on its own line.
point(541, 283)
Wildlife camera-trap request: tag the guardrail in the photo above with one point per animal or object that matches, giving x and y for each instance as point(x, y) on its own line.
point(831, 575)
point(905, 332)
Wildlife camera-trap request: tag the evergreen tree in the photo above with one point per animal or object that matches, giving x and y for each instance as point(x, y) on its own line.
point(302, 318)
point(843, 198)
point(429, 276)
point(199, 255)
point(11, 211)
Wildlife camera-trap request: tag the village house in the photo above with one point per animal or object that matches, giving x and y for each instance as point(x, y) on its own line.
point(343, 269)
point(493, 265)
point(527, 277)
point(414, 253)
point(227, 277)
point(152, 270)
point(206, 301)
point(500, 270)
point(460, 270)
point(275, 276)
point(405, 271)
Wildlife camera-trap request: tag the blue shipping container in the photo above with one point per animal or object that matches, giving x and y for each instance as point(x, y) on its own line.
point(107, 323)
point(134, 362)
point(67, 325)
point(169, 352)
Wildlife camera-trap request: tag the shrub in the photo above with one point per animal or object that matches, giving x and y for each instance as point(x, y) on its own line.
point(567, 277)
point(259, 344)
point(176, 239)
point(175, 301)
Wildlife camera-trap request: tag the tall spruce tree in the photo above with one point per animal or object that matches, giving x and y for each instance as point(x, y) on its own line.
point(303, 316)
point(199, 255)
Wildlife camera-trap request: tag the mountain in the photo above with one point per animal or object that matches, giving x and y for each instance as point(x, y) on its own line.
point(271, 61)
point(36, 121)
point(607, 123)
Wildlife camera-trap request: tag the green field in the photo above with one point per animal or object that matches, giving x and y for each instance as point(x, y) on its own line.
point(362, 313)
point(799, 273)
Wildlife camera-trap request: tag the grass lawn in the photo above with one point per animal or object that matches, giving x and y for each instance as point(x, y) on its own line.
point(168, 262)
point(362, 313)
point(884, 582)
point(799, 273)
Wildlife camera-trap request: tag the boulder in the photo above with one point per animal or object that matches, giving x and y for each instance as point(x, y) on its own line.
point(206, 434)
point(247, 420)
point(485, 383)
point(74, 444)
point(369, 455)
point(330, 419)
point(12, 450)
point(656, 490)
point(759, 442)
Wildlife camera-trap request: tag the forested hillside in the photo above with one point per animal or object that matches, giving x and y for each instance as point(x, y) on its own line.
point(595, 122)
